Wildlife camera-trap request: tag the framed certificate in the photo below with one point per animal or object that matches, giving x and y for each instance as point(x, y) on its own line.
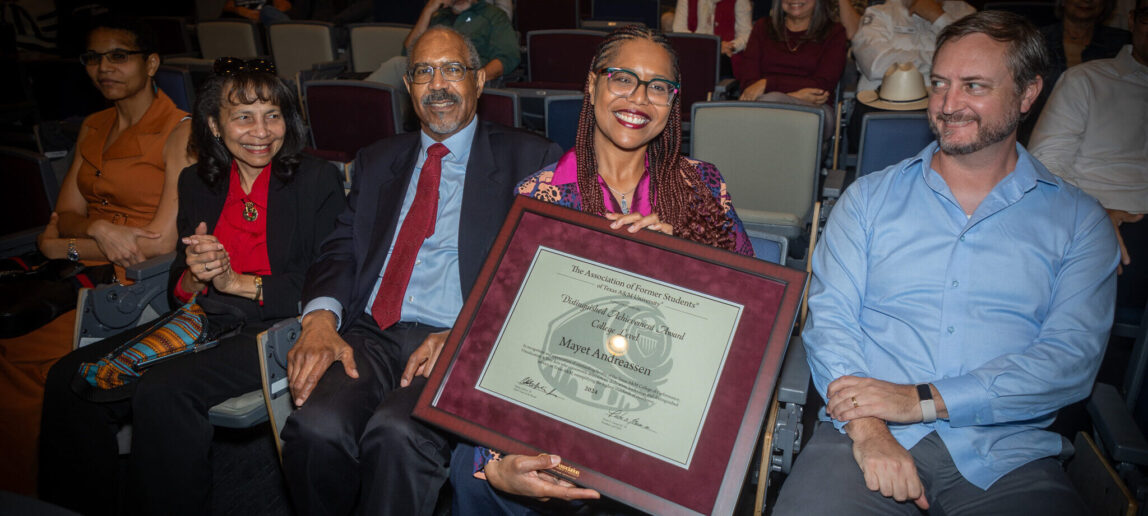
point(645, 361)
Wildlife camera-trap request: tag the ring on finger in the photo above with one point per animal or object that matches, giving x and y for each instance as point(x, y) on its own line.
point(207, 267)
point(854, 400)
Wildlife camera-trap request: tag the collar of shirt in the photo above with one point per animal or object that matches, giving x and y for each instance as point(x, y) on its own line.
point(458, 144)
point(259, 188)
point(1010, 189)
point(566, 172)
point(1126, 65)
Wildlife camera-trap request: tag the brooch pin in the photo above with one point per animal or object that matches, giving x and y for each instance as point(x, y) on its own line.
point(250, 213)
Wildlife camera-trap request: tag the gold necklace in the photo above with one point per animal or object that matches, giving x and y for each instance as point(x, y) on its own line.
point(792, 48)
point(788, 29)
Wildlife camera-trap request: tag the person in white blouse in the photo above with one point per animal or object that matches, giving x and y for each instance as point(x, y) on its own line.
point(1091, 133)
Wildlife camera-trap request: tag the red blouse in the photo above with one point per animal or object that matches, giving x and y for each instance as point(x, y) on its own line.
point(245, 240)
point(811, 64)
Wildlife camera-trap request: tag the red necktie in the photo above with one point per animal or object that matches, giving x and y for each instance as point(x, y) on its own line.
point(417, 226)
point(692, 18)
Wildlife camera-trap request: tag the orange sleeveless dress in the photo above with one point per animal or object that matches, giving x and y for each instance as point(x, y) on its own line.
point(121, 185)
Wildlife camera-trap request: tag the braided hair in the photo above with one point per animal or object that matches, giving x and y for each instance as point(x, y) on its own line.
point(681, 199)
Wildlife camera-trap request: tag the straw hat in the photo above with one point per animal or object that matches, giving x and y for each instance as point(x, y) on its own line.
point(902, 89)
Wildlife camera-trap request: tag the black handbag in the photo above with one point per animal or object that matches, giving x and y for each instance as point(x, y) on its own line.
point(29, 299)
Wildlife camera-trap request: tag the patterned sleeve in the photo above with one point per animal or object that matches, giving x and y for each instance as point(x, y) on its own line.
point(483, 455)
point(716, 183)
point(540, 186)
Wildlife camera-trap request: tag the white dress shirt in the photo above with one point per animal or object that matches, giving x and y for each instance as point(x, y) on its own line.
point(890, 34)
point(1093, 131)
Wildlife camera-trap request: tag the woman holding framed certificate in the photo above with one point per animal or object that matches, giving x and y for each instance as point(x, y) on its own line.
point(625, 166)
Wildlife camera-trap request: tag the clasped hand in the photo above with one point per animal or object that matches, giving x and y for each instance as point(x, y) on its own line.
point(119, 243)
point(207, 260)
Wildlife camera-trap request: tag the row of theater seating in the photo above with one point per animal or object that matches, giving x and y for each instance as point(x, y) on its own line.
point(110, 309)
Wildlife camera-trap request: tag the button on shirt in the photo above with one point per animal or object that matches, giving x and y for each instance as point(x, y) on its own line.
point(1005, 312)
point(434, 293)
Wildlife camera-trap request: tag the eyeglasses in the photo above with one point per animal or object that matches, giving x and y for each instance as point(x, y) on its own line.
point(623, 83)
point(115, 56)
point(1141, 15)
point(229, 66)
point(453, 72)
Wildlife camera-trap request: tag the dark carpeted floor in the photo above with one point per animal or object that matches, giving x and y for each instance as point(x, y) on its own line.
point(248, 480)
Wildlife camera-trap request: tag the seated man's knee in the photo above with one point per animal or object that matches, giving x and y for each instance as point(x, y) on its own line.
point(387, 428)
point(316, 426)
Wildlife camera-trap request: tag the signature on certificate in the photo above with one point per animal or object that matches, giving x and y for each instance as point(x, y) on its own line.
point(530, 383)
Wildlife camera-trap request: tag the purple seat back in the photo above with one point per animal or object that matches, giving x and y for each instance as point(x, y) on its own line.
point(346, 116)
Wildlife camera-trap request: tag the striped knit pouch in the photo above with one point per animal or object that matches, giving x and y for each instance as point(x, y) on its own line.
point(113, 377)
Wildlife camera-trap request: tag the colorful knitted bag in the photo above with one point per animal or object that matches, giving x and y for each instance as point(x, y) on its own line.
point(183, 331)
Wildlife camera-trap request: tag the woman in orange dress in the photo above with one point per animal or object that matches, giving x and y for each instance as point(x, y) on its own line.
point(117, 204)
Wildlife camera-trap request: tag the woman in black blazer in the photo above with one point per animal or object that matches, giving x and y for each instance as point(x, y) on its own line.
point(253, 213)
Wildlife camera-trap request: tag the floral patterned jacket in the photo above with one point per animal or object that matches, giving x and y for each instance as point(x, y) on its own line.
point(558, 184)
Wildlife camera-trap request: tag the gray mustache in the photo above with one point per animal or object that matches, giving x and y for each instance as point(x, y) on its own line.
point(440, 96)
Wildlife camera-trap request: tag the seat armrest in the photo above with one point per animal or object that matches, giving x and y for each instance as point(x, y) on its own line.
point(279, 339)
point(793, 383)
point(109, 309)
point(1115, 428)
point(274, 343)
point(150, 268)
point(834, 183)
point(20, 242)
point(726, 89)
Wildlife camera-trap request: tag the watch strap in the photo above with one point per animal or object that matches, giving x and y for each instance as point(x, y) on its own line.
point(928, 406)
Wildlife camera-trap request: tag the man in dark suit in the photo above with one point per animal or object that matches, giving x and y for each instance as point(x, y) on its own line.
point(422, 215)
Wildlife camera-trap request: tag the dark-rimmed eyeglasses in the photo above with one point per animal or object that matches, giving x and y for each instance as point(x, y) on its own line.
point(228, 66)
point(452, 72)
point(623, 83)
point(114, 56)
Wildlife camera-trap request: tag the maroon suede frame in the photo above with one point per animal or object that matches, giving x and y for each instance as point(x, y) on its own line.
point(769, 293)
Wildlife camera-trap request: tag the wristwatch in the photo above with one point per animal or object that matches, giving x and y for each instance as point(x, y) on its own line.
point(258, 287)
point(928, 406)
point(73, 253)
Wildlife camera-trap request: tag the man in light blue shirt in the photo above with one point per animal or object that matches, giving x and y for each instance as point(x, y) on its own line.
point(959, 299)
point(422, 215)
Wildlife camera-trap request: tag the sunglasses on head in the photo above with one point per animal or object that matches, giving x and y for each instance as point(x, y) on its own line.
point(228, 66)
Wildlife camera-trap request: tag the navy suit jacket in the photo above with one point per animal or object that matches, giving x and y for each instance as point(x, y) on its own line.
point(352, 258)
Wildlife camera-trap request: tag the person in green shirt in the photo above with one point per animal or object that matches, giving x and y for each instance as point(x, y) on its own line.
point(486, 26)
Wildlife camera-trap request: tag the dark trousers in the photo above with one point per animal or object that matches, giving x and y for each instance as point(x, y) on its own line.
point(826, 480)
point(169, 471)
point(1132, 283)
point(353, 446)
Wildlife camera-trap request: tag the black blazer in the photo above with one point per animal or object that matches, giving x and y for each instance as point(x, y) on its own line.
point(352, 258)
point(300, 215)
